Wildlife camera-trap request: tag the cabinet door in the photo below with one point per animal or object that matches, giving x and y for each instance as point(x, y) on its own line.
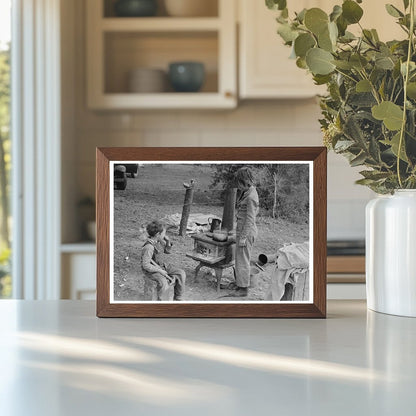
point(376, 17)
point(78, 276)
point(266, 71)
point(265, 68)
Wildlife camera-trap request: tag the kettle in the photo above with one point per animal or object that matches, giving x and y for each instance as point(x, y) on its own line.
point(215, 224)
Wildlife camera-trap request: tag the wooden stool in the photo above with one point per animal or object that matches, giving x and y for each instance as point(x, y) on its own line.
point(150, 291)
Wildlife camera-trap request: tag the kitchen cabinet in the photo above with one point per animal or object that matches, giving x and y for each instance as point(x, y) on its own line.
point(265, 69)
point(118, 45)
point(78, 262)
point(346, 277)
point(79, 271)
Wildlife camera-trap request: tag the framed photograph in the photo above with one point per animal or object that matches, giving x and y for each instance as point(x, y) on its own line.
point(211, 232)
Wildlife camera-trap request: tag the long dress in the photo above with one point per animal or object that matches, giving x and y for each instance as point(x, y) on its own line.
point(247, 210)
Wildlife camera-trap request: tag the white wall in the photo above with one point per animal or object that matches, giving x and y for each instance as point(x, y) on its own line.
point(254, 123)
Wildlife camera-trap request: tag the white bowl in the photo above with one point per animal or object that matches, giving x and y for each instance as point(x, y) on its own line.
point(92, 230)
point(191, 8)
point(147, 80)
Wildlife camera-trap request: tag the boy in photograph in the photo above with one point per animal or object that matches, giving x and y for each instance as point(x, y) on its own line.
point(246, 232)
point(163, 274)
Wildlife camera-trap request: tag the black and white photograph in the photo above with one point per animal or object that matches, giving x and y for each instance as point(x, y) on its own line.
point(211, 232)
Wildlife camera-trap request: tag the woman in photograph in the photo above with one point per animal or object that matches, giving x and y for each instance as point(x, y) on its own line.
point(246, 232)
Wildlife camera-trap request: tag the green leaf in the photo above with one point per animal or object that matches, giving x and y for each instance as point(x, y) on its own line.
point(388, 112)
point(393, 11)
point(405, 21)
point(301, 63)
point(344, 65)
point(321, 79)
point(363, 86)
point(362, 99)
point(382, 89)
point(412, 67)
point(347, 37)
point(287, 33)
point(375, 35)
point(276, 4)
point(353, 131)
point(384, 62)
point(301, 15)
point(319, 61)
point(394, 143)
point(333, 32)
point(303, 43)
point(358, 61)
point(411, 90)
point(365, 182)
point(368, 36)
point(336, 12)
point(316, 20)
point(406, 4)
point(374, 174)
point(377, 75)
point(343, 145)
point(282, 20)
point(374, 150)
point(359, 160)
point(325, 42)
point(351, 11)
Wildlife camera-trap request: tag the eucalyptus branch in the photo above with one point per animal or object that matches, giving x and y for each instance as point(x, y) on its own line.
point(346, 75)
point(398, 95)
point(406, 79)
point(373, 88)
point(392, 91)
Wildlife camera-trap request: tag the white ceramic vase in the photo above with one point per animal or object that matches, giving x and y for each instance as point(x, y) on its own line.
point(391, 253)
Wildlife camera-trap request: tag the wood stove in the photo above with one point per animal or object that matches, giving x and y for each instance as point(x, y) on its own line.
point(217, 255)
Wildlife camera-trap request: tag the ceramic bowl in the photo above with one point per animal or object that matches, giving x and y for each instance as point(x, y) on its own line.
point(186, 76)
point(135, 8)
point(147, 80)
point(191, 8)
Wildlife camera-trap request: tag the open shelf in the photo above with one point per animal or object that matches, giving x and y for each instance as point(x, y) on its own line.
point(116, 46)
point(160, 24)
point(127, 51)
point(210, 9)
point(167, 100)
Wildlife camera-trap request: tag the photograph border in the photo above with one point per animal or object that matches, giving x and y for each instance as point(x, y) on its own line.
point(314, 309)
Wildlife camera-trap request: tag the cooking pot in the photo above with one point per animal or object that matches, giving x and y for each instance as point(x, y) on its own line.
point(220, 236)
point(215, 224)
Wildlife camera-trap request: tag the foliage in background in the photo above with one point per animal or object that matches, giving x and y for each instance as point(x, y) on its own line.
point(5, 280)
point(283, 188)
point(369, 113)
point(5, 166)
point(5, 145)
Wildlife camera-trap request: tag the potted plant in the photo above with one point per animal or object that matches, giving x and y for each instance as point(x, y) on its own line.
point(369, 116)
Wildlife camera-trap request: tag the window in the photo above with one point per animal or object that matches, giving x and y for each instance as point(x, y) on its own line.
point(5, 147)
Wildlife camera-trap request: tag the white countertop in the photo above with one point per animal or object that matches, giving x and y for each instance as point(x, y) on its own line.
point(57, 358)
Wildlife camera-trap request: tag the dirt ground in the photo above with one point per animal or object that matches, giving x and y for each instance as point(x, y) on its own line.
point(158, 191)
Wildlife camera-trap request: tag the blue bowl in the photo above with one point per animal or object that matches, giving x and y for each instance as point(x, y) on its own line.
point(186, 76)
point(135, 8)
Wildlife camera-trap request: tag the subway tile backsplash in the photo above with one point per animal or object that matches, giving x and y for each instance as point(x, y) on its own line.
point(257, 123)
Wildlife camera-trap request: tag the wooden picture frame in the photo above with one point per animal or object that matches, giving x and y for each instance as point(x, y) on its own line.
point(110, 158)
